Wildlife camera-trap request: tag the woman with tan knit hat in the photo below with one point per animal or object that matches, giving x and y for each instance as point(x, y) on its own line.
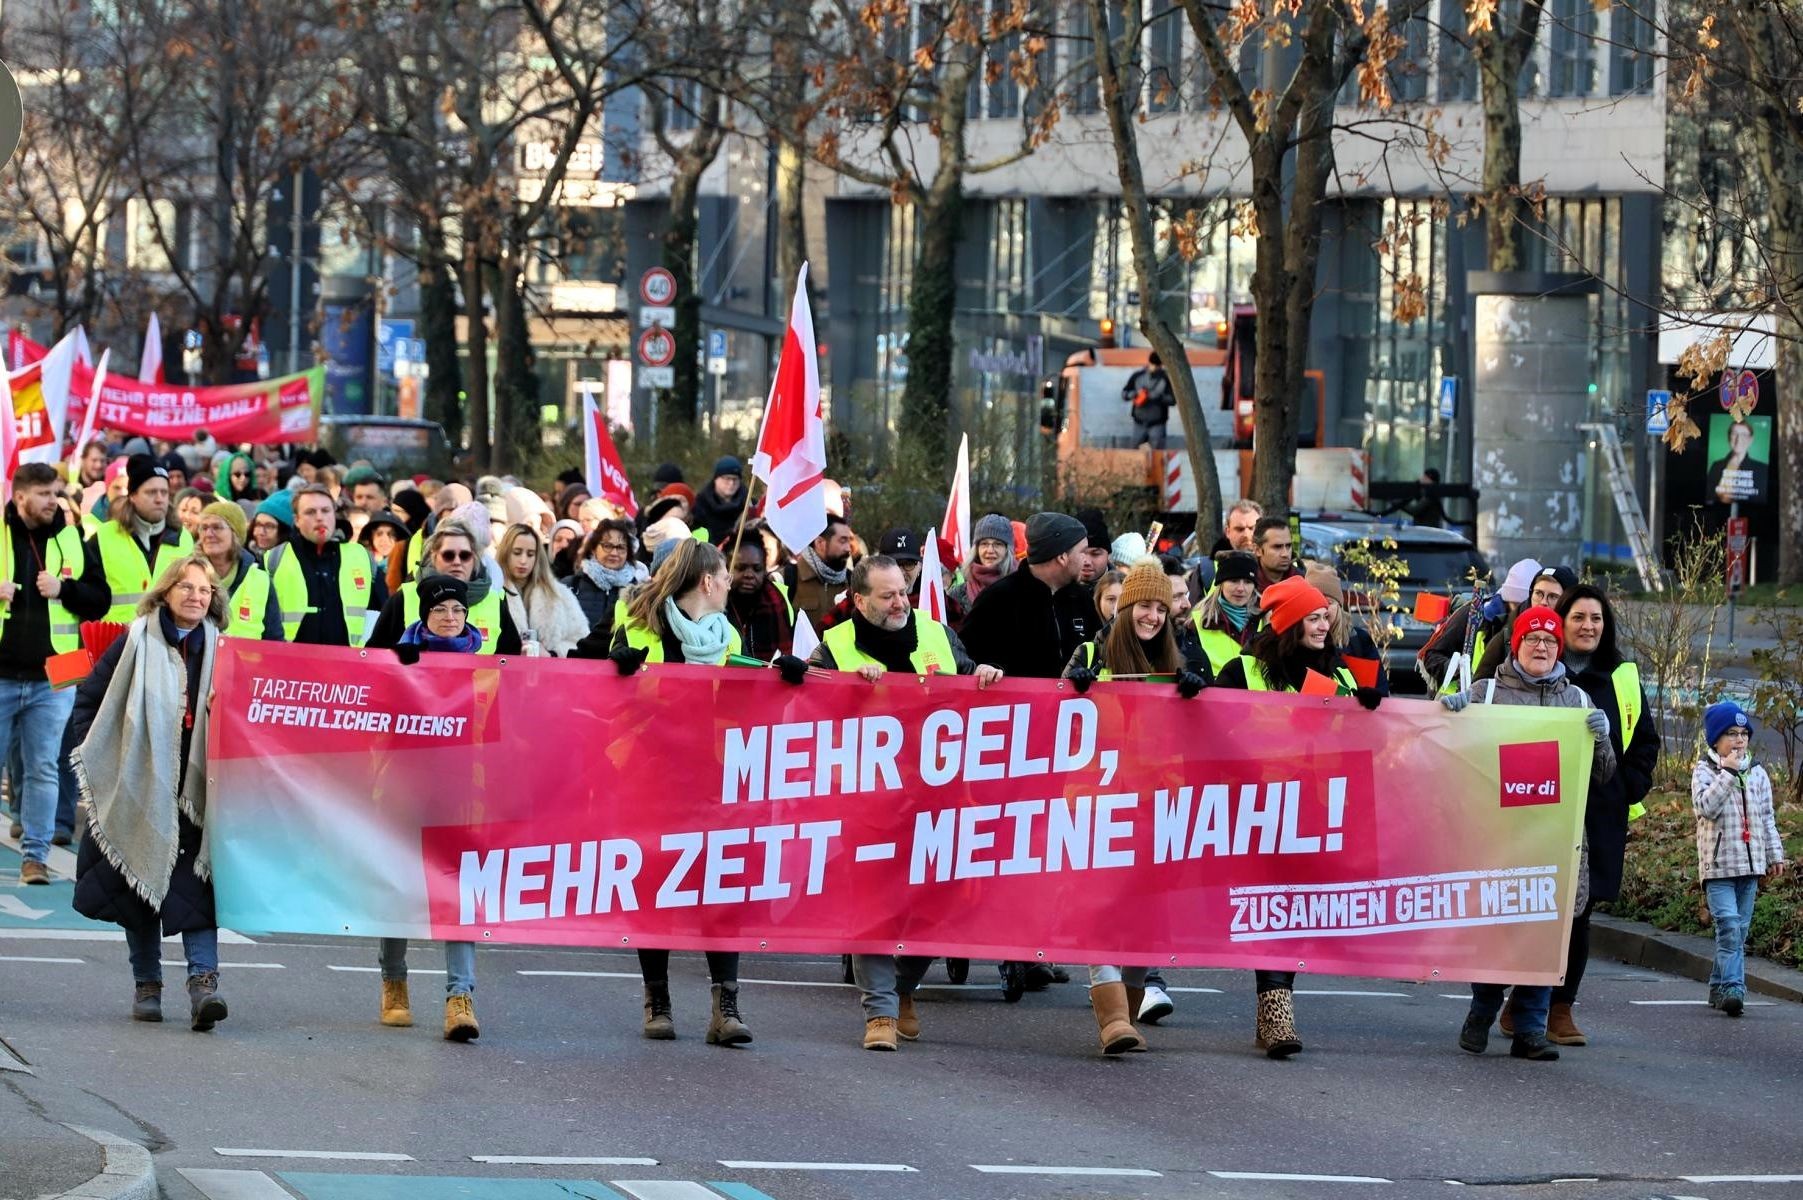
point(1139, 643)
point(1296, 640)
point(220, 533)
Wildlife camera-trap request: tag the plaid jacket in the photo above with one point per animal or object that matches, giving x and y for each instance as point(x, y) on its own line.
point(1737, 829)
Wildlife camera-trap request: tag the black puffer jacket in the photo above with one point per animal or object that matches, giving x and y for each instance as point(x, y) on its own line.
point(101, 892)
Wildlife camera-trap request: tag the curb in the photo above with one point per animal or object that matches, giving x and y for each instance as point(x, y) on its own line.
point(1685, 954)
point(129, 1173)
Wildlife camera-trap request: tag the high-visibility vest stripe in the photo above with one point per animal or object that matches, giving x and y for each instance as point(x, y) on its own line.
point(288, 583)
point(932, 648)
point(250, 603)
point(62, 559)
point(1255, 677)
point(127, 574)
point(484, 615)
point(641, 636)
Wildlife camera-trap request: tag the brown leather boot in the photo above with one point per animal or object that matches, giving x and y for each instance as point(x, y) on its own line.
point(1277, 1023)
point(1110, 1003)
point(460, 1019)
point(1560, 1029)
point(907, 1025)
point(879, 1033)
point(1505, 1020)
point(660, 1024)
point(397, 1009)
point(726, 1027)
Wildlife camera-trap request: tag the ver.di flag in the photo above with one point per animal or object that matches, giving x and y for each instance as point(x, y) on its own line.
point(791, 450)
point(932, 582)
point(604, 474)
point(150, 363)
point(957, 507)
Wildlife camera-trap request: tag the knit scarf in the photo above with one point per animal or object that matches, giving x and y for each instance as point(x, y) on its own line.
point(610, 578)
point(894, 648)
point(828, 576)
point(1236, 614)
point(977, 577)
point(467, 642)
point(128, 767)
point(704, 641)
point(145, 531)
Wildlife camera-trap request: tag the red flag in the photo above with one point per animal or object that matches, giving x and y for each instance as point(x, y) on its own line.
point(606, 475)
point(150, 363)
point(791, 450)
point(932, 582)
point(957, 508)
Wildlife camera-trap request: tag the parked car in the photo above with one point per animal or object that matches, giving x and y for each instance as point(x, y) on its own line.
point(1439, 561)
point(389, 444)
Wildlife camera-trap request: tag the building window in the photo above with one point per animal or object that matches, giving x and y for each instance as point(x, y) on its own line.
point(1408, 71)
point(144, 248)
point(1631, 51)
point(1457, 69)
point(1164, 61)
point(1572, 49)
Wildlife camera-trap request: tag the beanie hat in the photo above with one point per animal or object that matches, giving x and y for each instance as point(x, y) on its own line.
point(1126, 550)
point(415, 505)
point(666, 473)
point(360, 475)
point(489, 485)
point(574, 527)
point(665, 549)
point(140, 469)
point(669, 529)
point(112, 470)
point(1722, 716)
point(1327, 580)
point(1095, 525)
point(681, 490)
point(435, 589)
point(992, 527)
point(1289, 600)
point(728, 465)
point(203, 485)
point(475, 516)
point(1536, 620)
point(1050, 534)
point(1146, 581)
point(1235, 565)
point(1519, 582)
point(1565, 577)
point(231, 514)
point(280, 506)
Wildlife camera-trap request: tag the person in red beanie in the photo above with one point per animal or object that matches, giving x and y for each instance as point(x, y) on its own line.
point(1294, 641)
point(1532, 675)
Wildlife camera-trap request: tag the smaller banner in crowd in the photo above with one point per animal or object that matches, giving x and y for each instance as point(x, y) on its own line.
point(264, 412)
point(40, 397)
point(545, 801)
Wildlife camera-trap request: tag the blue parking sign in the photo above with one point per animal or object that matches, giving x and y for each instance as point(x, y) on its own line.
point(1449, 397)
point(1657, 420)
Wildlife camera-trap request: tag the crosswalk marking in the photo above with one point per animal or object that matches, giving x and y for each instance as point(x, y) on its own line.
point(665, 1189)
point(543, 1160)
point(753, 1164)
point(217, 1184)
point(333, 1155)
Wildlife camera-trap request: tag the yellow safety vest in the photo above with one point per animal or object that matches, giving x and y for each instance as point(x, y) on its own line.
point(641, 637)
point(484, 616)
point(1089, 661)
point(1220, 647)
point(416, 549)
point(782, 587)
point(126, 571)
point(62, 559)
point(1255, 676)
point(1626, 679)
point(1451, 683)
point(289, 583)
point(932, 648)
point(250, 603)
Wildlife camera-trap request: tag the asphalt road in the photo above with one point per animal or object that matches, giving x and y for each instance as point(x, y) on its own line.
point(996, 1100)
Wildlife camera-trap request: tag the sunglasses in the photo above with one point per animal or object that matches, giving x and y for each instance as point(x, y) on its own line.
point(456, 556)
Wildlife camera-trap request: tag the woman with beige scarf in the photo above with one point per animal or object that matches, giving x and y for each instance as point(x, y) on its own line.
point(140, 722)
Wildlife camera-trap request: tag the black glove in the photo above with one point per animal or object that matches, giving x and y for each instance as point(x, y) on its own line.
point(791, 668)
point(408, 654)
point(1190, 683)
point(1081, 678)
point(627, 660)
point(1368, 698)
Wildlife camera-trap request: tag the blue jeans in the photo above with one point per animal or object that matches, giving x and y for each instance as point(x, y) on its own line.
point(459, 964)
point(1731, 909)
point(885, 979)
point(200, 946)
point(35, 714)
point(1529, 1005)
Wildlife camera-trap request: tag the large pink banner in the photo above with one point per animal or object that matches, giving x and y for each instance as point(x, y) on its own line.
point(266, 412)
point(544, 801)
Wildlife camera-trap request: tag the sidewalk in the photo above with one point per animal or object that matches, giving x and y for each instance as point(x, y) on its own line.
point(53, 1142)
point(1684, 954)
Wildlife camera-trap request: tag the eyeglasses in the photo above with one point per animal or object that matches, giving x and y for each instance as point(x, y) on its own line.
point(194, 589)
point(615, 547)
point(447, 610)
point(456, 556)
point(1541, 640)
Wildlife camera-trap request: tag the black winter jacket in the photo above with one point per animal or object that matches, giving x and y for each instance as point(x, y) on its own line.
point(1606, 815)
point(1029, 631)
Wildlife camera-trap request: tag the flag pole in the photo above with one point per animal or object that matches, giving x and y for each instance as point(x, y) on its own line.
point(744, 511)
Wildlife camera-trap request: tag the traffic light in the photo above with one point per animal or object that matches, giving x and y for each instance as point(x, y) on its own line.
point(1107, 333)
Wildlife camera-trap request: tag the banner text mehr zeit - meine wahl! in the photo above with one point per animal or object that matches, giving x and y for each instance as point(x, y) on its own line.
point(544, 801)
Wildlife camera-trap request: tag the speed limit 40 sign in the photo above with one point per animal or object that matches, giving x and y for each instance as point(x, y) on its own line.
point(657, 347)
point(657, 286)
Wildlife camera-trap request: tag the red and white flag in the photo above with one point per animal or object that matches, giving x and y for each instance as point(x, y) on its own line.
point(806, 640)
point(87, 420)
point(605, 474)
point(932, 582)
point(957, 508)
point(150, 363)
point(9, 441)
point(791, 450)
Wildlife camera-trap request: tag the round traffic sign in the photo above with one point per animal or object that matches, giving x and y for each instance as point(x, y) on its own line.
point(12, 114)
point(657, 347)
point(657, 286)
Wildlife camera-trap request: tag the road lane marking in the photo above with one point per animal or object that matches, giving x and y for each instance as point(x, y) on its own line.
point(559, 974)
point(545, 1160)
point(735, 1190)
point(216, 1184)
point(1196, 991)
point(664, 1189)
point(1131, 1172)
point(226, 936)
point(1286, 1177)
point(33, 959)
point(1337, 992)
point(331, 1155)
point(748, 1164)
point(373, 970)
point(1698, 1003)
point(1742, 1178)
point(176, 962)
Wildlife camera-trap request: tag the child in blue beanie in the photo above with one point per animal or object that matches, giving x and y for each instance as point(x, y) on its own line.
point(1737, 843)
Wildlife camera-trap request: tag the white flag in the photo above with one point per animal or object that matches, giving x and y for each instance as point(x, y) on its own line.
point(791, 450)
point(150, 363)
point(806, 641)
point(87, 420)
point(932, 583)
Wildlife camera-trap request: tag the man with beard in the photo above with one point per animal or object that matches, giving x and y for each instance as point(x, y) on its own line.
point(1092, 564)
point(885, 634)
point(818, 574)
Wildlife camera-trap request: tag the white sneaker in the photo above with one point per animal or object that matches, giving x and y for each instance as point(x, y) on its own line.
point(1155, 1006)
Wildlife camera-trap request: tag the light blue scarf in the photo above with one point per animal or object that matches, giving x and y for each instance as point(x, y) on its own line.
point(704, 641)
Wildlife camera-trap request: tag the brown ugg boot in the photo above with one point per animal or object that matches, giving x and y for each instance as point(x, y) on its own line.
point(1110, 1003)
point(1560, 1029)
point(1277, 1023)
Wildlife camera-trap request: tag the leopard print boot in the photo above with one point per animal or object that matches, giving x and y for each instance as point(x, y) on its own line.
point(1277, 1023)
